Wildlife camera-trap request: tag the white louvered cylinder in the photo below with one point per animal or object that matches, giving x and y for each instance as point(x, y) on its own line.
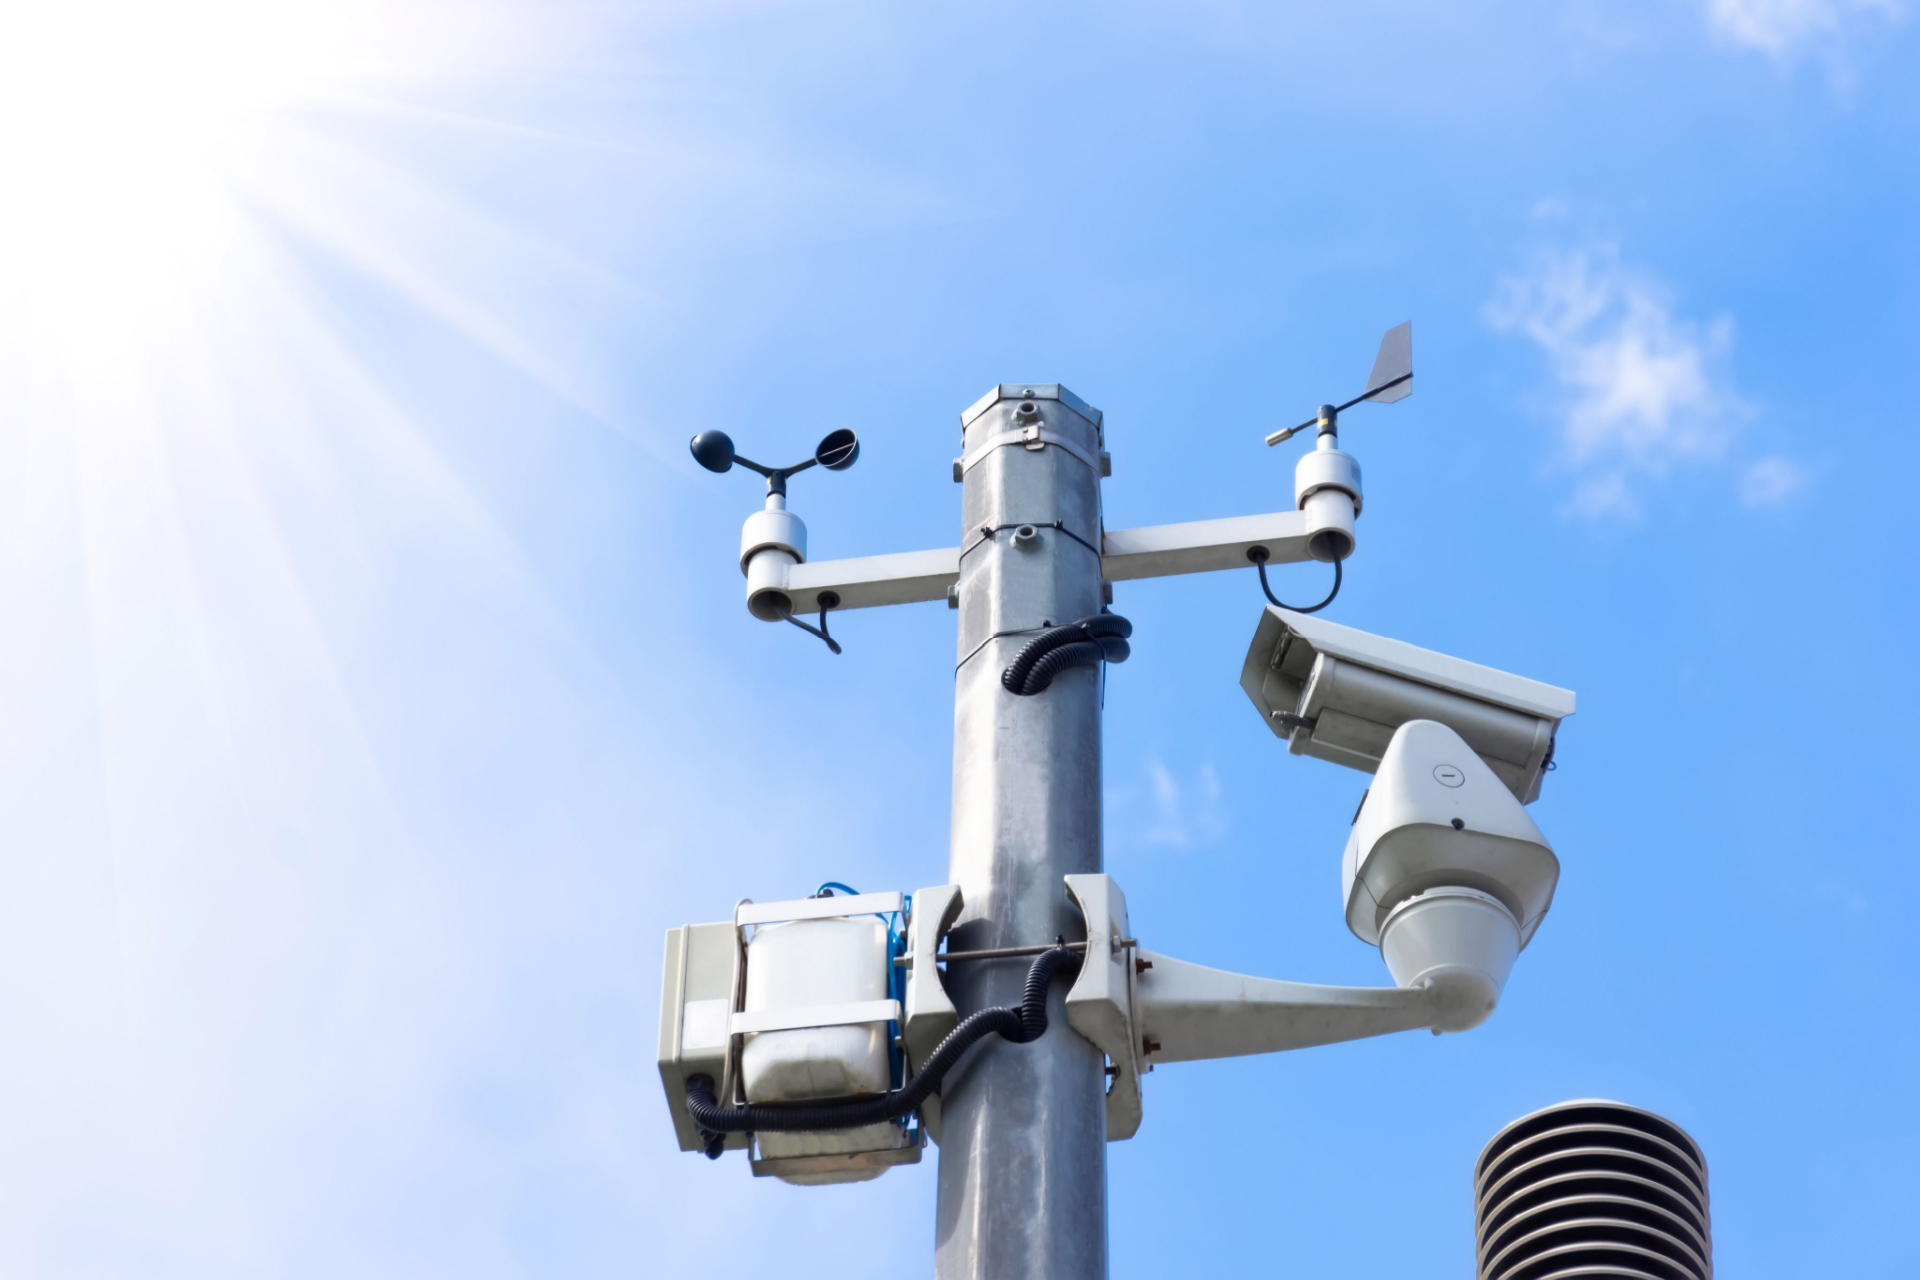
point(1592, 1190)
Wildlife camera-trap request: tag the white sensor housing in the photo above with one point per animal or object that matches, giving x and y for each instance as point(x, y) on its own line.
point(1445, 870)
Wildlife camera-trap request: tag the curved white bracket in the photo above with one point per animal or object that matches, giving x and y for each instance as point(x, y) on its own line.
point(1188, 1012)
point(930, 1011)
point(1141, 1008)
point(1101, 1002)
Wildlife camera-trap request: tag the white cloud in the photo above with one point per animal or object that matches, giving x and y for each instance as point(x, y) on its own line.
point(1185, 814)
point(1771, 480)
point(1644, 388)
point(1781, 29)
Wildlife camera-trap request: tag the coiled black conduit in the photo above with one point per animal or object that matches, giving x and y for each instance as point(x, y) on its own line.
point(1101, 638)
point(1020, 1024)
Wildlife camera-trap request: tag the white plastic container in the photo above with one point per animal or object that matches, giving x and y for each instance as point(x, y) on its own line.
point(816, 962)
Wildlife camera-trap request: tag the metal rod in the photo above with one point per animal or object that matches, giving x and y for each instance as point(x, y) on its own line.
point(999, 953)
point(1023, 1129)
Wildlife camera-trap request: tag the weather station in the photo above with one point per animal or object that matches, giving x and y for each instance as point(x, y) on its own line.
point(1008, 1016)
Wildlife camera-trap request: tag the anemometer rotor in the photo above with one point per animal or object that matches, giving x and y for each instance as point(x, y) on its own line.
point(836, 451)
point(774, 539)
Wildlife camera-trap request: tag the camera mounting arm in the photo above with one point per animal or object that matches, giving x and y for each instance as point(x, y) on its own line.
point(1142, 1009)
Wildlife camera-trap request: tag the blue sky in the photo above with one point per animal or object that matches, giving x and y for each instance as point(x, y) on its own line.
point(375, 686)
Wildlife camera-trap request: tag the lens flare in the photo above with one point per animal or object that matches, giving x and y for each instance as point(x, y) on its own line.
point(120, 123)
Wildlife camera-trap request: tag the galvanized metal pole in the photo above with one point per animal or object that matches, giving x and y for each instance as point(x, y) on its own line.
point(1023, 1191)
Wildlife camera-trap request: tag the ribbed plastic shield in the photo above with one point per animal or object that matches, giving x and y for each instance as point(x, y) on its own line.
point(1592, 1189)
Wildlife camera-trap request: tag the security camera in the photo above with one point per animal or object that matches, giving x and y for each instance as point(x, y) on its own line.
point(1446, 872)
point(1336, 693)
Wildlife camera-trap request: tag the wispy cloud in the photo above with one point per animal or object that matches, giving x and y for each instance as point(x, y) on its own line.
point(1164, 809)
point(1786, 29)
point(1188, 813)
point(1644, 387)
point(1771, 480)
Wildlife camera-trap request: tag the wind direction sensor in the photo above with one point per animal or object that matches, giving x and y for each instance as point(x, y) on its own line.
point(1391, 379)
point(1326, 482)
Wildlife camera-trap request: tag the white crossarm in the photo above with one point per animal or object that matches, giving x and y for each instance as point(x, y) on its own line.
point(906, 577)
point(1202, 546)
point(1191, 1012)
point(1157, 551)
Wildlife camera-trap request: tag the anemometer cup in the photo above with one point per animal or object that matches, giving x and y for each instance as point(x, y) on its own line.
point(838, 450)
point(713, 450)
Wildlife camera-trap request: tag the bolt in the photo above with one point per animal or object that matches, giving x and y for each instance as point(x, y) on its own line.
point(1459, 825)
point(1149, 1045)
point(1141, 966)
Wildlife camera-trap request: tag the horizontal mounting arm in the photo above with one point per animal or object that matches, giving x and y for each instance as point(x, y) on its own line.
point(1141, 1009)
point(906, 577)
point(1156, 551)
point(1187, 1012)
point(1201, 546)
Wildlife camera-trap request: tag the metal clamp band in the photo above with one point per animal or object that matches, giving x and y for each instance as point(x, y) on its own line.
point(1032, 437)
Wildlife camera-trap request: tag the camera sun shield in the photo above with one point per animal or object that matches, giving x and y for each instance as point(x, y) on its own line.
point(1337, 693)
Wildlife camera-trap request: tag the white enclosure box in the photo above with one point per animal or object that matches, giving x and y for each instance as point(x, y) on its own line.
point(698, 988)
point(817, 964)
point(807, 963)
point(793, 1002)
point(816, 1022)
point(1336, 693)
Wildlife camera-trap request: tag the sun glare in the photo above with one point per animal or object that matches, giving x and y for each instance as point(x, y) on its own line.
point(121, 125)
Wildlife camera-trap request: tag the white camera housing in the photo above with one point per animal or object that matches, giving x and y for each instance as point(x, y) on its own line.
point(1445, 871)
point(1336, 693)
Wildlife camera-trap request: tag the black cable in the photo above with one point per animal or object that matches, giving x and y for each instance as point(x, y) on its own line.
point(987, 532)
point(827, 600)
point(1021, 1024)
point(1260, 556)
point(998, 635)
point(1101, 638)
